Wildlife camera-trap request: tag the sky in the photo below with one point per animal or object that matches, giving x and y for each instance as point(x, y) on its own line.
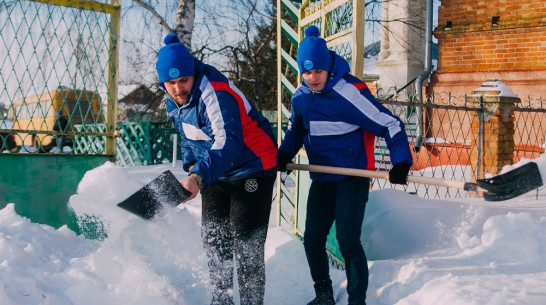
point(421, 251)
point(34, 36)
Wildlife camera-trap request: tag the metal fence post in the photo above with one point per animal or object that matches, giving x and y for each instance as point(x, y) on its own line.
point(175, 146)
point(481, 112)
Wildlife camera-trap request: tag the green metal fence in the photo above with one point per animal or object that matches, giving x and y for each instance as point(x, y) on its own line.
point(143, 143)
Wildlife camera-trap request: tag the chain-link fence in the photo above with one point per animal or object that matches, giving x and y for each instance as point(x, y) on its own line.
point(58, 72)
point(58, 76)
point(445, 153)
point(449, 140)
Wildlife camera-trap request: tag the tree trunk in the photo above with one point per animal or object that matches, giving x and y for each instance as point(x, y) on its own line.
point(185, 16)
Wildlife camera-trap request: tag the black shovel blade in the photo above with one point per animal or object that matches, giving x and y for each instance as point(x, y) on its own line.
point(146, 202)
point(512, 184)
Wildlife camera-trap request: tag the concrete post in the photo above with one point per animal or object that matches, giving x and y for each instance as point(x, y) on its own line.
point(402, 45)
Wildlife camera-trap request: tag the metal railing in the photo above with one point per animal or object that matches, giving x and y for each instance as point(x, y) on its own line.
point(449, 141)
point(143, 143)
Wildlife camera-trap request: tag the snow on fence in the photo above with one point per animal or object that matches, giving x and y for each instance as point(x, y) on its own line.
point(450, 144)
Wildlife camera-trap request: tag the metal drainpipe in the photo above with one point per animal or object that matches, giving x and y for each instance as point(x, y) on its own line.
point(423, 76)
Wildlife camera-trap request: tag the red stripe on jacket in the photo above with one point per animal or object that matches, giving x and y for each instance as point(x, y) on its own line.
point(254, 137)
point(360, 86)
point(369, 138)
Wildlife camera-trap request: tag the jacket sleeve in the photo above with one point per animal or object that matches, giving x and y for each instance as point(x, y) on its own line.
point(293, 138)
point(374, 117)
point(222, 117)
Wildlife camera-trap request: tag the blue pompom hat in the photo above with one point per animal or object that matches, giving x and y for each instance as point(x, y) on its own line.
point(174, 60)
point(313, 53)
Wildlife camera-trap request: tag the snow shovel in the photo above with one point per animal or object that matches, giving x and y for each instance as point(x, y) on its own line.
point(512, 183)
point(147, 201)
point(501, 187)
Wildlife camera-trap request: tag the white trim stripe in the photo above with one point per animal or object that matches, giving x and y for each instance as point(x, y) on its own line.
point(241, 95)
point(194, 133)
point(214, 113)
point(353, 96)
point(327, 128)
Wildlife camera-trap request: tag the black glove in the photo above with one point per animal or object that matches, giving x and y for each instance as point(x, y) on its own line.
point(399, 173)
point(283, 159)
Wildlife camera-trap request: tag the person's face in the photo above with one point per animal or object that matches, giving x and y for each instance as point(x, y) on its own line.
point(179, 88)
point(316, 79)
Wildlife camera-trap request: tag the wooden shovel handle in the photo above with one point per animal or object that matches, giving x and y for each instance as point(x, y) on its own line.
point(380, 175)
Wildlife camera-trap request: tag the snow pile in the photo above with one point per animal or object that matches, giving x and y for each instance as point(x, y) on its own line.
point(427, 252)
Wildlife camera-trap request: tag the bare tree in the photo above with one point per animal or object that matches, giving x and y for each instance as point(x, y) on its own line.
point(244, 48)
point(185, 16)
point(225, 34)
point(237, 36)
point(146, 22)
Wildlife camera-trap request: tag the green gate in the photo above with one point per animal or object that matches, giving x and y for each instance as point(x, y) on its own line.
point(58, 74)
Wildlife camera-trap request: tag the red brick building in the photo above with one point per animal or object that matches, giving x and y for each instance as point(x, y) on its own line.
point(482, 39)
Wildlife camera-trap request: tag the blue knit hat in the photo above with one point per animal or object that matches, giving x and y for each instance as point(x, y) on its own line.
point(313, 53)
point(174, 60)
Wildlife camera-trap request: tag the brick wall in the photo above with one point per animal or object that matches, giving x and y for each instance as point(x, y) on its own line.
point(473, 49)
point(472, 43)
point(474, 12)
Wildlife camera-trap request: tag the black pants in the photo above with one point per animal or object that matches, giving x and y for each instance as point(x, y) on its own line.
point(344, 202)
point(235, 217)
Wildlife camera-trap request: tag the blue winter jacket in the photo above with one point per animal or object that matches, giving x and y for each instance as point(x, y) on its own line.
point(223, 136)
point(338, 124)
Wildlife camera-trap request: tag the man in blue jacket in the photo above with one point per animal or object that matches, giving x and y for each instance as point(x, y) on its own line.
point(335, 117)
point(229, 151)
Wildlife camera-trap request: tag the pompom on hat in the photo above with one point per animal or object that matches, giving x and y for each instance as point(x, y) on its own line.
point(174, 60)
point(313, 53)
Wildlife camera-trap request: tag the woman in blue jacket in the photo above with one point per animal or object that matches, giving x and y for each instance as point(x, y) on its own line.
point(335, 117)
point(229, 151)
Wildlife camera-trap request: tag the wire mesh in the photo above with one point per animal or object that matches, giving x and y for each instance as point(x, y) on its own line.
point(449, 141)
point(54, 75)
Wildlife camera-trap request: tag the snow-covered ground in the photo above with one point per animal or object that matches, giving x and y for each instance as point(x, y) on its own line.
point(421, 251)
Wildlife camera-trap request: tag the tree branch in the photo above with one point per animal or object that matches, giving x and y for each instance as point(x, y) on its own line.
point(162, 22)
